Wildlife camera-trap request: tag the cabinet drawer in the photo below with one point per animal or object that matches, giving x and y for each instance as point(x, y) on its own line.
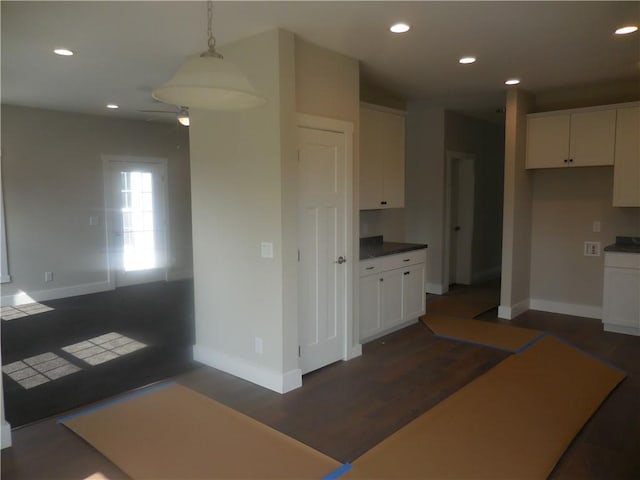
point(369, 267)
point(622, 260)
point(405, 259)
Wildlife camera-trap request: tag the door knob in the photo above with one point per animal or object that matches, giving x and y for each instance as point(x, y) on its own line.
point(341, 260)
point(457, 229)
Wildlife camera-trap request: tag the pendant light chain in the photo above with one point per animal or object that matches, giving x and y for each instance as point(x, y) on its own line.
point(211, 41)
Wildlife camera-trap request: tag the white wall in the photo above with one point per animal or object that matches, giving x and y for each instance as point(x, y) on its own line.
point(52, 176)
point(241, 176)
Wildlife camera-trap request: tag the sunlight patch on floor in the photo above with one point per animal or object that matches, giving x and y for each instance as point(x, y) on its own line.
point(104, 348)
point(20, 311)
point(34, 371)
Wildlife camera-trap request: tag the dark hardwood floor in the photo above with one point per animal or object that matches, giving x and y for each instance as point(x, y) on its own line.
point(159, 314)
point(348, 407)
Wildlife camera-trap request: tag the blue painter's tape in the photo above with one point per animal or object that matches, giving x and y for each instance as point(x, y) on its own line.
point(469, 342)
point(136, 394)
point(528, 345)
point(591, 355)
point(338, 472)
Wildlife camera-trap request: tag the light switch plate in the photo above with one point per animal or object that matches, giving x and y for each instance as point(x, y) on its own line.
point(266, 250)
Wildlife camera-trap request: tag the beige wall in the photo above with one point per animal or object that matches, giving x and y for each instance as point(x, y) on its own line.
point(566, 202)
point(244, 192)
point(52, 175)
point(516, 223)
point(485, 140)
point(424, 188)
point(240, 170)
point(549, 213)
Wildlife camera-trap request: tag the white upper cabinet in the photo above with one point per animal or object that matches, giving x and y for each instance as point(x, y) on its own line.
point(571, 138)
point(626, 171)
point(382, 140)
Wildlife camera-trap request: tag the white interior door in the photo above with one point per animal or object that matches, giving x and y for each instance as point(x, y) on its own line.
point(461, 211)
point(322, 237)
point(137, 222)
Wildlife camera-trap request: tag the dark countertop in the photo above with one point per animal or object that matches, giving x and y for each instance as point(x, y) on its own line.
point(624, 245)
point(373, 247)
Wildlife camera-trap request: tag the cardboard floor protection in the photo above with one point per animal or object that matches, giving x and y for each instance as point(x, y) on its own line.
point(513, 422)
point(465, 303)
point(176, 433)
point(504, 337)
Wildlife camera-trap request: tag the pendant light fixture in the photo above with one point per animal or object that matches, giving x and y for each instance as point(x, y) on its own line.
point(183, 117)
point(209, 82)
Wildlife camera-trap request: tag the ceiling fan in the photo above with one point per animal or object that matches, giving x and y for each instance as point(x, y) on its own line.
point(182, 114)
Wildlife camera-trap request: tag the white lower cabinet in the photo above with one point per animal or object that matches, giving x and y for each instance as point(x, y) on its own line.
point(621, 304)
point(391, 292)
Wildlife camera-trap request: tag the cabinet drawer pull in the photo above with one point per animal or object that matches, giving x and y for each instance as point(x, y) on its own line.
point(407, 273)
point(383, 203)
point(406, 260)
point(382, 279)
point(370, 268)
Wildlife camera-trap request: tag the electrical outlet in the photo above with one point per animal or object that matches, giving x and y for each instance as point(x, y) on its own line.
point(48, 276)
point(258, 345)
point(591, 249)
point(266, 250)
point(596, 226)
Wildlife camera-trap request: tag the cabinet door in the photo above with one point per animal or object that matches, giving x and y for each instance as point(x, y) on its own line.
point(593, 137)
point(393, 163)
point(548, 141)
point(626, 170)
point(620, 302)
point(392, 298)
point(370, 303)
point(413, 291)
point(371, 132)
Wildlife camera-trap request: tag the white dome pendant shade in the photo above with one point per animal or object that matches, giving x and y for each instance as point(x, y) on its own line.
point(209, 82)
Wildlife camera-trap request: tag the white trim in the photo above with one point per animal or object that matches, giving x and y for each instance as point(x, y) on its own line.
point(452, 155)
point(179, 274)
point(239, 367)
point(354, 352)
point(488, 274)
point(395, 328)
point(436, 288)
point(509, 313)
point(329, 124)
point(5, 278)
point(382, 108)
point(610, 327)
point(54, 293)
point(577, 310)
point(6, 434)
point(596, 108)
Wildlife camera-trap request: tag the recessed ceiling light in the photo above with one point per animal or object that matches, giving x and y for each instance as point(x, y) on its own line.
point(400, 28)
point(512, 81)
point(467, 60)
point(113, 106)
point(627, 29)
point(65, 52)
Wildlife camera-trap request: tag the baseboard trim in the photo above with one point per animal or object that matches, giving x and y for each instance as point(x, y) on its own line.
point(5, 278)
point(436, 288)
point(509, 313)
point(610, 327)
point(577, 310)
point(54, 293)
point(353, 352)
point(265, 377)
point(6, 435)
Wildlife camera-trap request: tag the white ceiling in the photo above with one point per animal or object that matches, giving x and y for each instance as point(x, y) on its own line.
point(124, 49)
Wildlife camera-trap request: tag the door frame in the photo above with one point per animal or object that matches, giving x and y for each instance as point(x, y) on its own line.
point(352, 348)
point(107, 163)
point(452, 156)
